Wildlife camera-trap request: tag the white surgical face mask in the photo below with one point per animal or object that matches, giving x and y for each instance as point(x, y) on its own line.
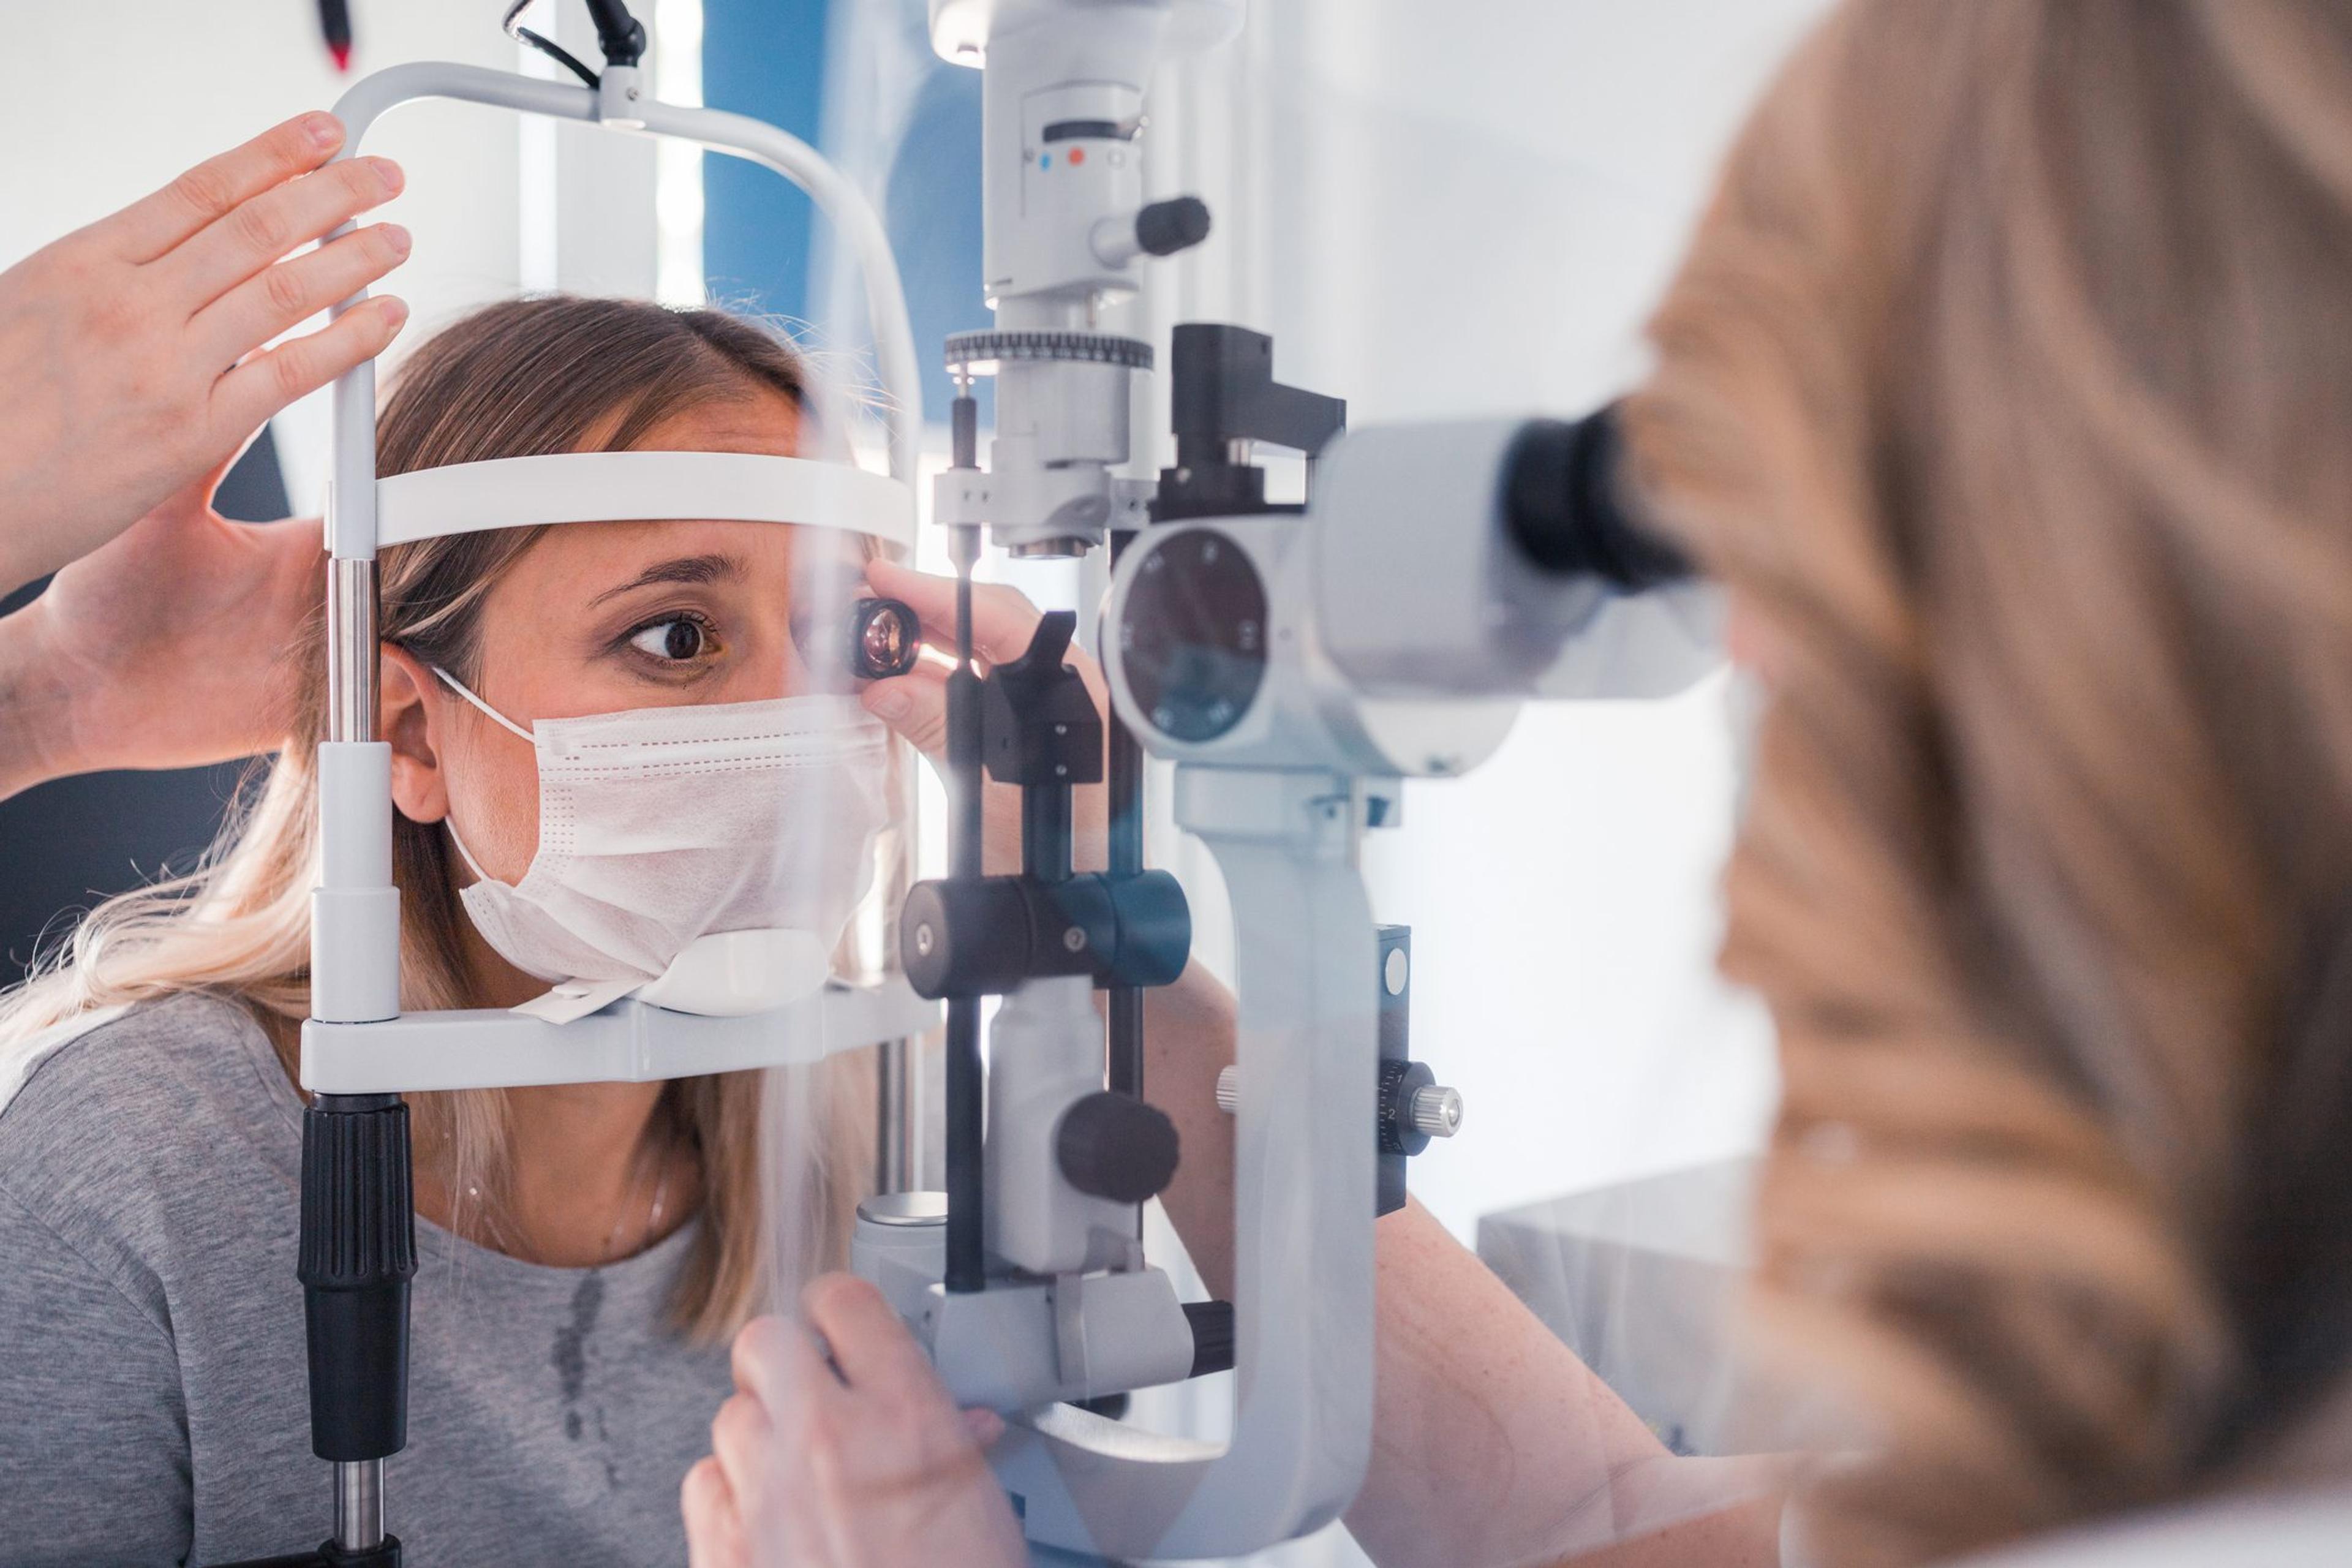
point(705, 856)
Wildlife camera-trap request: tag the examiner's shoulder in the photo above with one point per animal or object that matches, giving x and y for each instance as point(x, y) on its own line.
point(156, 1097)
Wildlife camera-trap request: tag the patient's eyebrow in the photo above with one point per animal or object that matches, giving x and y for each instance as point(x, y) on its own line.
point(713, 568)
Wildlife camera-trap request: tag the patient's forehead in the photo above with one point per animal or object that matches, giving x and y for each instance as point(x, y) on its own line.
point(759, 418)
point(575, 561)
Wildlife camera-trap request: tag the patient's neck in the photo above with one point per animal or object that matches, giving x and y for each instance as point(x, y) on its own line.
point(595, 1172)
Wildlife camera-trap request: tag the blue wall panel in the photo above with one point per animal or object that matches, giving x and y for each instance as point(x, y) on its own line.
point(768, 57)
point(764, 58)
point(933, 213)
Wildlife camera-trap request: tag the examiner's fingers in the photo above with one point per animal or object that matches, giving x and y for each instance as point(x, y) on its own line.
point(714, 1527)
point(153, 225)
point(914, 705)
point(776, 1361)
point(742, 1439)
point(260, 308)
point(234, 247)
point(266, 383)
point(870, 1344)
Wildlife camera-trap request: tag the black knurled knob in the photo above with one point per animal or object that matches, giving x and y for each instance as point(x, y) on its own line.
point(358, 1253)
point(1115, 1146)
point(1179, 223)
point(360, 1212)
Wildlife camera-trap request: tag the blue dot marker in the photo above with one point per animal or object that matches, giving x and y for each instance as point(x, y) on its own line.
point(1045, 160)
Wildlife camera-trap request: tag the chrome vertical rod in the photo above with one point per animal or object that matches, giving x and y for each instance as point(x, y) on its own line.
point(358, 1504)
point(899, 1120)
point(351, 651)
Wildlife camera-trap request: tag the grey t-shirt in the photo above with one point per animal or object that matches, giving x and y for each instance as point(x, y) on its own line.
point(153, 1381)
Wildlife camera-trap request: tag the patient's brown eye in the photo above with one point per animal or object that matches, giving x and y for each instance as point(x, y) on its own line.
point(676, 638)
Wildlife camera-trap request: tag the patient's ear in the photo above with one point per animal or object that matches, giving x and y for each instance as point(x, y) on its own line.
point(408, 715)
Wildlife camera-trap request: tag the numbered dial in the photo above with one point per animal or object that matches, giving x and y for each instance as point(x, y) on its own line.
point(1192, 642)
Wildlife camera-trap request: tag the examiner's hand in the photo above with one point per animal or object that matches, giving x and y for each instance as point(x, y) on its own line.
point(916, 705)
point(168, 648)
point(861, 1462)
point(127, 362)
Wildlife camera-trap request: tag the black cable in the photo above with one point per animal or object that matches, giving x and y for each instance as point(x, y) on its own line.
point(545, 45)
point(621, 35)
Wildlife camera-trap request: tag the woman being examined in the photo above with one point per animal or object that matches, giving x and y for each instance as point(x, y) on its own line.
point(2007, 388)
point(585, 1251)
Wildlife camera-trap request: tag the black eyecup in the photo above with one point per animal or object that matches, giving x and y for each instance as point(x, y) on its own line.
point(1565, 507)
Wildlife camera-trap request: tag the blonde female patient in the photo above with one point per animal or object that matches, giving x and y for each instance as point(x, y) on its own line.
point(585, 1251)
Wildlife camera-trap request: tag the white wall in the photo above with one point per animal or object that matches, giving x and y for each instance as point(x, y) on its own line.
point(1446, 210)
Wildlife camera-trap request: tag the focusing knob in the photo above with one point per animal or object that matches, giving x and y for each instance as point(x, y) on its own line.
point(1415, 1107)
point(1115, 1146)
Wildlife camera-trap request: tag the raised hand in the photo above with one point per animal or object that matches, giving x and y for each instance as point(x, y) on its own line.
point(170, 646)
point(856, 1461)
point(130, 351)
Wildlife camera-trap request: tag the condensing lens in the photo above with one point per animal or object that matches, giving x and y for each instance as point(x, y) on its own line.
point(884, 639)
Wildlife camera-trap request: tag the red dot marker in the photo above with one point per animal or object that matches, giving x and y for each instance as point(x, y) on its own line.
point(1078, 154)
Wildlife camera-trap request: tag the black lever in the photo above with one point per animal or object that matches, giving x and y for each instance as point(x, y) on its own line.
point(1039, 730)
point(1221, 391)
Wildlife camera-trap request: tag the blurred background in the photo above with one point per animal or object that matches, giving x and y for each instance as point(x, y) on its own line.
point(1437, 210)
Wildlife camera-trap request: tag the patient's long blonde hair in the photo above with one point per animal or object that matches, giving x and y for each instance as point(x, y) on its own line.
point(519, 379)
point(2009, 384)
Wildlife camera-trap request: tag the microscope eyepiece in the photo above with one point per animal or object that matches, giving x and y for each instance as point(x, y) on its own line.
point(1567, 512)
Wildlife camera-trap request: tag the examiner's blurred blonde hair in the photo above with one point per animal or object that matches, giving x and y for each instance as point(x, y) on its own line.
point(785, 1155)
point(2009, 385)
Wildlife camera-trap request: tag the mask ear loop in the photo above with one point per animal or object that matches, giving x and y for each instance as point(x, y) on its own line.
point(459, 687)
point(464, 854)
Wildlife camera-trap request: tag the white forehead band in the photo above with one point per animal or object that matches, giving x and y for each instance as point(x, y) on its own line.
point(619, 487)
